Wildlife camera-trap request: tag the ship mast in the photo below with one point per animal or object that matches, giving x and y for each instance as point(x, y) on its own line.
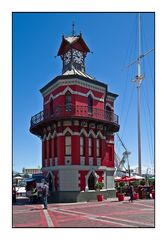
point(138, 81)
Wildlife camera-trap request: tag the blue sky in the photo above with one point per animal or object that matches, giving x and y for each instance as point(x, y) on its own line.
point(112, 37)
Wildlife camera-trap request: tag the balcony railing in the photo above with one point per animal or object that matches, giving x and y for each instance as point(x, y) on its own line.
point(74, 111)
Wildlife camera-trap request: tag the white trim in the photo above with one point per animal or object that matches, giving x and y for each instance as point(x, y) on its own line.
point(77, 82)
point(109, 98)
point(56, 161)
point(110, 141)
point(90, 161)
point(44, 137)
point(50, 159)
point(54, 134)
point(109, 105)
point(73, 93)
point(49, 136)
point(78, 167)
point(91, 132)
point(67, 130)
point(51, 97)
point(100, 135)
point(83, 131)
point(82, 161)
point(98, 161)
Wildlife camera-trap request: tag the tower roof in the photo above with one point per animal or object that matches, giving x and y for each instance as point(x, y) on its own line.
point(75, 41)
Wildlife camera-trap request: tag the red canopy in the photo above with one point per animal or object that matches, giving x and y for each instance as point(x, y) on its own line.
point(122, 179)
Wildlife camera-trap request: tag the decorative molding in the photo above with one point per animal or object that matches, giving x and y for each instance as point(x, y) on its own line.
point(50, 159)
point(110, 141)
point(79, 167)
point(92, 125)
point(67, 160)
point(91, 161)
point(91, 132)
point(83, 131)
point(82, 161)
point(67, 123)
point(75, 92)
point(56, 161)
point(77, 82)
point(76, 123)
point(84, 124)
point(109, 105)
point(98, 161)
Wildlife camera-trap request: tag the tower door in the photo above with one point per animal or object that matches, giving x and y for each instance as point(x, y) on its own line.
point(91, 182)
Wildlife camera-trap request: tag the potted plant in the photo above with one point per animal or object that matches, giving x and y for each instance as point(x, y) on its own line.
point(136, 194)
point(99, 186)
point(121, 194)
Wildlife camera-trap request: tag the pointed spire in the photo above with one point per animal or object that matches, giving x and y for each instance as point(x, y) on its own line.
point(73, 29)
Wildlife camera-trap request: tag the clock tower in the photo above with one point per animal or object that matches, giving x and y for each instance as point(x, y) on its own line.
point(73, 51)
point(76, 127)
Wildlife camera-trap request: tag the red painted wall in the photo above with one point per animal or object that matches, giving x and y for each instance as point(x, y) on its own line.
point(75, 150)
point(82, 184)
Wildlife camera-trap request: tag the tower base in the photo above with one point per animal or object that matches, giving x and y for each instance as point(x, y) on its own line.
point(74, 196)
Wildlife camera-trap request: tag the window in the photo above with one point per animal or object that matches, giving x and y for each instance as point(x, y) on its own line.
point(90, 104)
point(98, 147)
point(55, 147)
point(68, 101)
point(51, 106)
point(50, 148)
point(67, 145)
point(90, 147)
point(82, 146)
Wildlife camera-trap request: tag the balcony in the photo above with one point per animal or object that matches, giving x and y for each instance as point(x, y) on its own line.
point(73, 111)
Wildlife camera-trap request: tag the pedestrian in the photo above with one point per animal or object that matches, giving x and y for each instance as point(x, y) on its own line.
point(131, 192)
point(45, 195)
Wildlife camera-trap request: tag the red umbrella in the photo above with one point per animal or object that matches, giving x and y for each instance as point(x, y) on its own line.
point(122, 179)
point(125, 179)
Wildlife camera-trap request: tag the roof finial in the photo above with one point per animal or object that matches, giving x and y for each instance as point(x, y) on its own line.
point(73, 28)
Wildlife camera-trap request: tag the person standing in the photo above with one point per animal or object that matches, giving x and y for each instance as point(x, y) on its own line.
point(131, 192)
point(45, 195)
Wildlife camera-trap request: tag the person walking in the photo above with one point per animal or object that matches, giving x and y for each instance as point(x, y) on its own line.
point(45, 195)
point(131, 192)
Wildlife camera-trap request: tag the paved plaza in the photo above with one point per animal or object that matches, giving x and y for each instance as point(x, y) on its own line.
point(106, 214)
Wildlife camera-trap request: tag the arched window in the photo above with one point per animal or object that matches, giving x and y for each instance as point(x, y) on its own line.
point(82, 145)
point(68, 101)
point(98, 147)
point(51, 106)
point(90, 146)
point(68, 144)
point(90, 104)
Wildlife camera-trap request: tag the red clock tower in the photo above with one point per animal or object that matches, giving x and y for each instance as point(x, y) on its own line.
point(76, 127)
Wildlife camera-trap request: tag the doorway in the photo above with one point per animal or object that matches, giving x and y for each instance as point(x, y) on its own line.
point(91, 182)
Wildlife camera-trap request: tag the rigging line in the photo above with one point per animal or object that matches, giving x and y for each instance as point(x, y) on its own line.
point(148, 96)
point(130, 51)
point(128, 109)
point(150, 127)
point(151, 154)
point(144, 40)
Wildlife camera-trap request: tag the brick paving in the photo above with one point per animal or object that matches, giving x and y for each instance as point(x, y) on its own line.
point(106, 214)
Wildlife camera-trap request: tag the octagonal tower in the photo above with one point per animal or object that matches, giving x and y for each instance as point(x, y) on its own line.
point(76, 126)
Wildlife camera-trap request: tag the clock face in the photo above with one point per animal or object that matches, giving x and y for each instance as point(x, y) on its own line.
point(67, 57)
point(78, 56)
